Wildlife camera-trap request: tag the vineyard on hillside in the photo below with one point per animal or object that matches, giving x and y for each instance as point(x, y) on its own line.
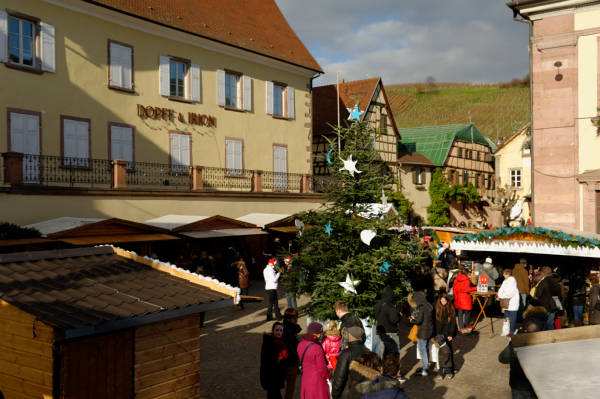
point(496, 111)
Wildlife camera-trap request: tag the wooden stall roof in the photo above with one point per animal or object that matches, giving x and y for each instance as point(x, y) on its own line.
point(25, 241)
point(86, 231)
point(206, 227)
point(87, 291)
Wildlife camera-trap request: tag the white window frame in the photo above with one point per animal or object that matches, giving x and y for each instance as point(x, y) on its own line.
point(79, 159)
point(234, 160)
point(516, 178)
point(34, 40)
point(192, 80)
point(280, 97)
point(184, 79)
point(120, 74)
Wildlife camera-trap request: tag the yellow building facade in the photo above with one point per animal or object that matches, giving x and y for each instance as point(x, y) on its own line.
point(84, 85)
point(513, 169)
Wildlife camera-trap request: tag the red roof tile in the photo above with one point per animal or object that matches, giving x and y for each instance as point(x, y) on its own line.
point(254, 25)
point(415, 158)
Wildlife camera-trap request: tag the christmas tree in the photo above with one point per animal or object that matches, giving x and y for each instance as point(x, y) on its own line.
point(344, 241)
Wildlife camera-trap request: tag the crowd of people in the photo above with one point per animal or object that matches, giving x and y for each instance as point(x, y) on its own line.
point(334, 362)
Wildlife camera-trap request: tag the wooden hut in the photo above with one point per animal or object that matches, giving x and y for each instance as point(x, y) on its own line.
point(101, 323)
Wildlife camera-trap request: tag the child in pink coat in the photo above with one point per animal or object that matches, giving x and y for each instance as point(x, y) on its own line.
point(331, 344)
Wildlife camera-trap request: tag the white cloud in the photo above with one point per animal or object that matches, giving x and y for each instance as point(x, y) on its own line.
point(406, 41)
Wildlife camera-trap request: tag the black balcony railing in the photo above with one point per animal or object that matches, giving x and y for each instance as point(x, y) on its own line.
point(66, 171)
point(223, 179)
point(159, 175)
point(278, 181)
point(56, 171)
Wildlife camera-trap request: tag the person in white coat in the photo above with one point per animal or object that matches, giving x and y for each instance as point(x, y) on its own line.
point(271, 281)
point(508, 290)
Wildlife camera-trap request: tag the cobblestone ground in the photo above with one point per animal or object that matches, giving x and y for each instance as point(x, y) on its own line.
point(230, 354)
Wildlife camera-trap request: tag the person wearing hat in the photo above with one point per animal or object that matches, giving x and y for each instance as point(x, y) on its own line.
point(488, 269)
point(340, 382)
point(271, 281)
point(314, 368)
point(291, 329)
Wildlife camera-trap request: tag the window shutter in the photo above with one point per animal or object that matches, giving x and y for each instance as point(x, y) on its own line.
point(422, 178)
point(69, 139)
point(3, 36)
point(175, 152)
point(126, 60)
point(238, 154)
point(195, 83)
point(47, 47)
point(163, 73)
point(116, 74)
point(269, 96)
point(221, 87)
point(121, 143)
point(291, 113)
point(229, 151)
point(247, 91)
point(280, 155)
point(415, 176)
point(184, 150)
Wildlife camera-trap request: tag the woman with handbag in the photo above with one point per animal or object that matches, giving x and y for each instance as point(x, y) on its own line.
point(509, 300)
point(314, 367)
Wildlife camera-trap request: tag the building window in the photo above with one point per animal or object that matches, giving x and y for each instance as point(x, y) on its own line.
point(179, 79)
point(21, 41)
point(419, 176)
point(178, 72)
point(478, 155)
point(121, 143)
point(234, 157)
point(75, 141)
point(120, 61)
point(465, 177)
point(478, 180)
point(180, 152)
point(383, 123)
point(278, 99)
point(460, 152)
point(515, 178)
point(232, 90)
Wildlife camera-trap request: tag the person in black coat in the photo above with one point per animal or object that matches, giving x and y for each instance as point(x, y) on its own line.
point(273, 359)
point(422, 316)
point(548, 287)
point(444, 357)
point(388, 322)
point(340, 381)
point(347, 320)
point(577, 296)
point(291, 329)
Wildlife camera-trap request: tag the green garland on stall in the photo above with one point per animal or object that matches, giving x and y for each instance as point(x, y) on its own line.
point(552, 236)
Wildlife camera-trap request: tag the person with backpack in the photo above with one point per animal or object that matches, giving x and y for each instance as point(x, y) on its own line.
point(313, 367)
point(594, 299)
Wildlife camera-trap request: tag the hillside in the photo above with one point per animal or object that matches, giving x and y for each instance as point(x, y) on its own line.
point(495, 111)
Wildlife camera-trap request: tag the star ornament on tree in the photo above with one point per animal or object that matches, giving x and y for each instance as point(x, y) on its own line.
point(349, 285)
point(350, 166)
point(355, 113)
point(328, 228)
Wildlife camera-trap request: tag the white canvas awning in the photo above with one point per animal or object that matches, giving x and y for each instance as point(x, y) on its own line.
point(61, 224)
point(262, 219)
point(171, 222)
point(223, 233)
point(530, 247)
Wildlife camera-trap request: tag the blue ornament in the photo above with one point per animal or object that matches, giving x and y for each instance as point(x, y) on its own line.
point(355, 113)
point(328, 228)
point(384, 267)
point(329, 161)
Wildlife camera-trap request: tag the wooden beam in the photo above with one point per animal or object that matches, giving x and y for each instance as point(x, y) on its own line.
point(553, 336)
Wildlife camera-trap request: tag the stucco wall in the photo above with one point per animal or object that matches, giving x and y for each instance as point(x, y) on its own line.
point(418, 194)
point(79, 88)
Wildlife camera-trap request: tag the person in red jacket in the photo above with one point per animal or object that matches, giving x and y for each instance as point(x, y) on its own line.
point(462, 300)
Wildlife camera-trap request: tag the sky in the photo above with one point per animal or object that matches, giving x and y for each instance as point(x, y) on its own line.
point(405, 41)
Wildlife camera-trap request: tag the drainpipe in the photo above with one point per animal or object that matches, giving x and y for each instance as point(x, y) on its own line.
point(312, 116)
point(529, 22)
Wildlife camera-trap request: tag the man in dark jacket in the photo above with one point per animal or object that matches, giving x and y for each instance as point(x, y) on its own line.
point(547, 288)
point(339, 381)
point(423, 317)
point(347, 320)
point(388, 323)
point(577, 296)
point(290, 337)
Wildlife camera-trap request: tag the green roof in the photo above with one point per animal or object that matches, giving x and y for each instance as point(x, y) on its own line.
point(435, 141)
